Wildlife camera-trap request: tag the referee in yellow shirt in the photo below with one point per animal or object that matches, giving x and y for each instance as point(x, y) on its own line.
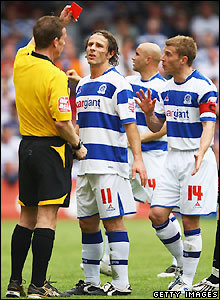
point(45, 153)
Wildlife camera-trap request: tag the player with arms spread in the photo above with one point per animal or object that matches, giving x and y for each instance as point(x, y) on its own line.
point(189, 179)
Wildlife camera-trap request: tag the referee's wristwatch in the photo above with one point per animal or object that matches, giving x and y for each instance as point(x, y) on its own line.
point(78, 146)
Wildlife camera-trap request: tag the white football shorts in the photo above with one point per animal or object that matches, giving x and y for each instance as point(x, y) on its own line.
point(187, 194)
point(153, 161)
point(108, 195)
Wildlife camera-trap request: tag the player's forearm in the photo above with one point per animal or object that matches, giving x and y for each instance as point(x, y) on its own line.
point(67, 132)
point(207, 136)
point(155, 124)
point(205, 141)
point(151, 136)
point(134, 140)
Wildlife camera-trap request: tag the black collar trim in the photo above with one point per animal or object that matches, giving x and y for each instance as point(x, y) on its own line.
point(41, 56)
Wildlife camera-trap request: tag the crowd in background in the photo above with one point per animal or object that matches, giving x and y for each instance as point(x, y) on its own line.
point(131, 22)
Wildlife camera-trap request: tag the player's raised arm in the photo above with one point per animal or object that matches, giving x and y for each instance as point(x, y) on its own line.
point(147, 105)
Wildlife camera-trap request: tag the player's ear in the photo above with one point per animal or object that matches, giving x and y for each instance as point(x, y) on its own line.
point(184, 60)
point(110, 55)
point(148, 59)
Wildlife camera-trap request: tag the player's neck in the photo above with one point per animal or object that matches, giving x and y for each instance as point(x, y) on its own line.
point(182, 75)
point(98, 70)
point(146, 75)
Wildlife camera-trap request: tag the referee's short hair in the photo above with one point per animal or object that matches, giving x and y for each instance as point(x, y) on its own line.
point(112, 45)
point(46, 29)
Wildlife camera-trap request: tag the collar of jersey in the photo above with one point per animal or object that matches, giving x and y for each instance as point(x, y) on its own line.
point(41, 56)
point(188, 78)
point(109, 70)
point(153, 77)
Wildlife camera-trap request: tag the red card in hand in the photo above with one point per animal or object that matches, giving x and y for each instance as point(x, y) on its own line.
point(76, 10)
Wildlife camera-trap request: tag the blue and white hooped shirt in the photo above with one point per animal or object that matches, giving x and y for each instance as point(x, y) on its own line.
point(155, 84)
point(104, 105)
point(185, 106)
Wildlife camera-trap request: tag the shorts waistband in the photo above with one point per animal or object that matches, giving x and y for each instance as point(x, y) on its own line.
point(42, 138)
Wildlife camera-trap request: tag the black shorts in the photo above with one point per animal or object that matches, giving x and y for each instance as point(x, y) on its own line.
point(45, 165)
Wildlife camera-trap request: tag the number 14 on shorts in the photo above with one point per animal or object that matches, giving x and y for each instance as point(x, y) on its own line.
point(195, 190)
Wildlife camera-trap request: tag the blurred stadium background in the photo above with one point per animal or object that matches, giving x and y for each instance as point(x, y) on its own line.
point(132, 22)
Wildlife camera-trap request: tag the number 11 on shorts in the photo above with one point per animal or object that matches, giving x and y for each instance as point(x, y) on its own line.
point(109, 195)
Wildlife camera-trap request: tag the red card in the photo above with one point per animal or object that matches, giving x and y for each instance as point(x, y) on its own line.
point(76, 10)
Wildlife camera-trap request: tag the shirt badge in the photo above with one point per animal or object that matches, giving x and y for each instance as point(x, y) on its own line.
point(187, 99)
point(102, 89)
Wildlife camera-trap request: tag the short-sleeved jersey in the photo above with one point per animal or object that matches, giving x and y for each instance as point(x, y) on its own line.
point(104, 105)
point(155, 84)
point(42, 94)
point(185, 106)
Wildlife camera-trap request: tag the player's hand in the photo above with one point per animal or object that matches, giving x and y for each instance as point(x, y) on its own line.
point(81, 153)
point(66, 15)
point(138, 167)
point(73, 75)
point(198, 161)
point(146, 103)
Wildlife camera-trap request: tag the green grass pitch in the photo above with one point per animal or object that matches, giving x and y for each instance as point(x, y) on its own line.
point(148, 257)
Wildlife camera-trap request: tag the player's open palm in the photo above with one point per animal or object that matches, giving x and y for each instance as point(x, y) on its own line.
point(146, 103)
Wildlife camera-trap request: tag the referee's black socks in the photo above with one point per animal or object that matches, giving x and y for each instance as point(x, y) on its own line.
point(214, 277)
point(42, 246)
point(20, 244)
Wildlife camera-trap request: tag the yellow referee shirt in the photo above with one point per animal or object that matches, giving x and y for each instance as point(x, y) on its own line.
point(42, 93)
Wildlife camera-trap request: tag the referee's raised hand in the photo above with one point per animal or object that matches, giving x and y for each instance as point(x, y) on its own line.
point(66, 15)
